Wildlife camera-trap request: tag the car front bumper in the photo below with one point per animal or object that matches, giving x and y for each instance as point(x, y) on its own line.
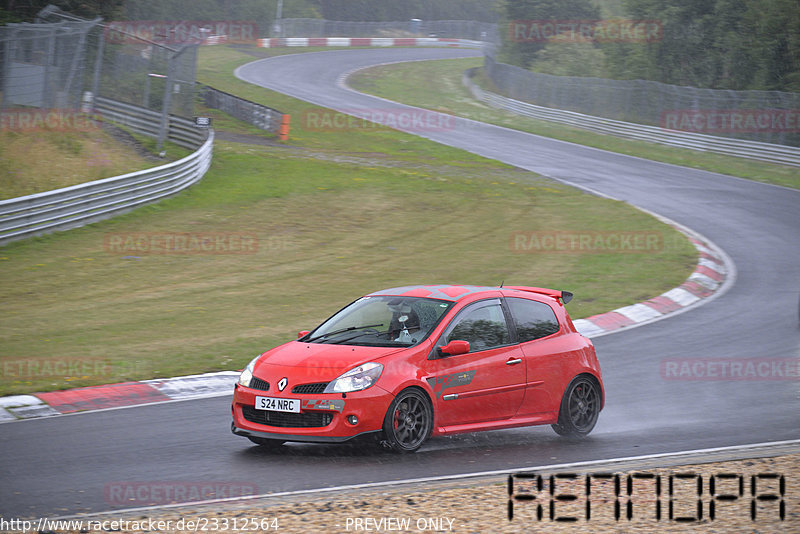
point(323, 417)
point(294, 437)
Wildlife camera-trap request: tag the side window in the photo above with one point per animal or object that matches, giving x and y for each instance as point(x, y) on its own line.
point(532, 319)
point(483, 325)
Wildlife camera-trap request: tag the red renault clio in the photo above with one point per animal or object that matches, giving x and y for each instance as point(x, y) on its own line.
point(406, 363)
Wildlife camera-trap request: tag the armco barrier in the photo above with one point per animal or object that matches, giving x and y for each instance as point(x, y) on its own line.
point(258, 115)
point(782, 154)
point(78, 205)
point(182, 132)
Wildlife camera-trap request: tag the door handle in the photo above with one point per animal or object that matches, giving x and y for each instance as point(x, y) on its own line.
point(514, 361)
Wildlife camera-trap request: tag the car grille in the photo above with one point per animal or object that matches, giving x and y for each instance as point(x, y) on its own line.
point(310, 388)
point(257, 383)
point(283, 419)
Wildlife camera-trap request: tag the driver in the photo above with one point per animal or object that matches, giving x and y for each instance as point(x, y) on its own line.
point(404, 326)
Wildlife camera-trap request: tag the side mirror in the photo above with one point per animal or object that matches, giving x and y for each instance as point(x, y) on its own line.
point(302, 333)
point(454, 348)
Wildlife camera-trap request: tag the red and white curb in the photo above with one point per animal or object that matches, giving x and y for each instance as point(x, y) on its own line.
point(94, 398)
point(280, 42)
point(714, 274)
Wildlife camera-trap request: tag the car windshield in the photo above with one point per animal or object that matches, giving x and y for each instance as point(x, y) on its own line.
point(382, 321)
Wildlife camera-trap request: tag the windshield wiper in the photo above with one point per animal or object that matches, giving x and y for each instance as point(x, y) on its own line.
point(342, 330)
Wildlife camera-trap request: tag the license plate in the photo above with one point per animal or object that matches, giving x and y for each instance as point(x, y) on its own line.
point(278, 405)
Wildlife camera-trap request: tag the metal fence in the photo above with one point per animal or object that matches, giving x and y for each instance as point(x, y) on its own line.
point(772, 153)
point(68, 63)
point(455, 29)
point(44, 65)
point(181, 131)
point(258, 115)
point(75, 206)
point(652, 103)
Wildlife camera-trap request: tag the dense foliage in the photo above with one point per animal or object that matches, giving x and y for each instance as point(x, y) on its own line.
point(261, 11)
point(523, 52)
point(724, 44)
point(26, 10)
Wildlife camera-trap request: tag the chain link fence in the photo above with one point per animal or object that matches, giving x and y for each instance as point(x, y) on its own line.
point(44, 65)
point(765, 116)
point(66, 64)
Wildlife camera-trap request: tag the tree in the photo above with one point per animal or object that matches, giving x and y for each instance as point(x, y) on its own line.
point(777, 46)
point(724, 44)
point(520, 50)
point(26, 10)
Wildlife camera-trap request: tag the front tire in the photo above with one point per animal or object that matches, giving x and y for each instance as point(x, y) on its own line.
point(580, 407)
point(408, 422)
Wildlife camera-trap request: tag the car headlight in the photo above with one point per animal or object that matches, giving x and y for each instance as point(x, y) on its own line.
point(356, 379)
point(247, 374)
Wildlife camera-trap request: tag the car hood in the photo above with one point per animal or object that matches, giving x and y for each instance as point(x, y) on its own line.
point(323, 356)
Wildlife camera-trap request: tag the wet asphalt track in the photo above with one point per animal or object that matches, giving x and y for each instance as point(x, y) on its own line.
point(62, 465)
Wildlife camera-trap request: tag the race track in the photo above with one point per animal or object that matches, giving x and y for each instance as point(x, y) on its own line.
point(62, 465)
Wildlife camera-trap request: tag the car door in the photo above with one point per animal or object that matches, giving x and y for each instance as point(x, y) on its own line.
point(488, 382)
point(545, 358)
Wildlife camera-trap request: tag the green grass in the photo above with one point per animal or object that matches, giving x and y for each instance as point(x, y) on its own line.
point(335, 214)
point(437, 85)
point(43, 160)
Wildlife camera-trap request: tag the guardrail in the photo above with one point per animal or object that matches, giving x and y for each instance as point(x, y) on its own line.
point(75, 206)
point(182, 132)
point(258, 115)
point(782, 154)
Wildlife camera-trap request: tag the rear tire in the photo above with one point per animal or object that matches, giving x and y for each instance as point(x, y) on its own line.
point(580, 407)
point(408, 422)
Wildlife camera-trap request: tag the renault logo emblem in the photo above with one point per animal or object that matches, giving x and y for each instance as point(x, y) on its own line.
point(282, 384)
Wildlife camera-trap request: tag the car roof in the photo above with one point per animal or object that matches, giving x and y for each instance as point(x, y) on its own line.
point(442, 292)
point(456, 293)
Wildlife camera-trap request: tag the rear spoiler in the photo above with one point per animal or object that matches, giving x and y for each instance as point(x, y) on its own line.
point(565, 296)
